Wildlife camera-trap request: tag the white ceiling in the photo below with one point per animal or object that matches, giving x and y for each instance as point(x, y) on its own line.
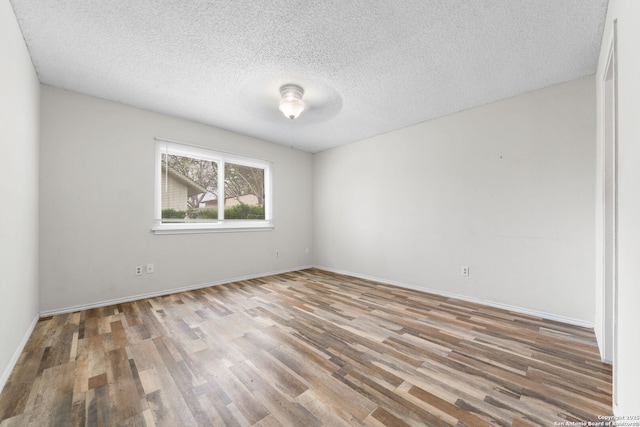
point(367, 66)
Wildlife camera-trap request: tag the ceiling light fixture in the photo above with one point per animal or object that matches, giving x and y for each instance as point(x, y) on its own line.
point(291, 103)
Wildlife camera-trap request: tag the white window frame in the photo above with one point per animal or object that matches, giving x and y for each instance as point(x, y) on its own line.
point(215, 225)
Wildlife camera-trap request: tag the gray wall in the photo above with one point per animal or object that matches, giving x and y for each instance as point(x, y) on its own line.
point(19, 124)
point(506, 189)
point(97, 199)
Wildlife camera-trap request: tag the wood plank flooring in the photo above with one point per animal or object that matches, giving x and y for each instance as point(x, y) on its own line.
point(308, 348)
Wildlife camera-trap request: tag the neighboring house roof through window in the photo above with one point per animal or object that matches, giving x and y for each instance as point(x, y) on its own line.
point(193, 187)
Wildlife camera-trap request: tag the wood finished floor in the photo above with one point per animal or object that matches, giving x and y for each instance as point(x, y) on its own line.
point(308, 348)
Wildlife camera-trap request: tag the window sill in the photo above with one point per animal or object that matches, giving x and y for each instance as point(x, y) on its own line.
point(217, 227)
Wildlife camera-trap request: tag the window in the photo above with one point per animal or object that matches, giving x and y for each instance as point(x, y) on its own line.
point(200, 190)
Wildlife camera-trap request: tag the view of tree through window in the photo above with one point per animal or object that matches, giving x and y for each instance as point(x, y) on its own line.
point(244, 192)
point(191, 192)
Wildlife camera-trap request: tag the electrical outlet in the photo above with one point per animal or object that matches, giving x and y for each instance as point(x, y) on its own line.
point(138, 270)
point(277, 254)
point(150, 268)
point(465, 271)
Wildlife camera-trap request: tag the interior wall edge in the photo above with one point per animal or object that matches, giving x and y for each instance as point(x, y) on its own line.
point(16, 355)
point(19, 191)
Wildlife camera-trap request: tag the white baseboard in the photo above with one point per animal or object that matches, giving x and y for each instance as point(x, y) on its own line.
point(516, 309)
point(16, 355)
point(138, 297)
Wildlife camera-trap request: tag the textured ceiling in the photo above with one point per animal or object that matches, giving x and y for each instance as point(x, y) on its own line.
point(367, 66)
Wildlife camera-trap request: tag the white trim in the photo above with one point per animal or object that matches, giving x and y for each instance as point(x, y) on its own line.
point(606, 338)
point(516, 309)
point(216, 227)
point(105, 303)
point(16, 355)
point(230, 153)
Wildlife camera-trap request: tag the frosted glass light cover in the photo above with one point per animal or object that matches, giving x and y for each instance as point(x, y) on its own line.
point(291, 103)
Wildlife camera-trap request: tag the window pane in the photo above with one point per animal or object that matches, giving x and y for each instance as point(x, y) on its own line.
point(244, 192)
point(189, 189)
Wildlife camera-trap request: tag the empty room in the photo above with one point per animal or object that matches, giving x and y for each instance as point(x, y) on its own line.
point(232, 213)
